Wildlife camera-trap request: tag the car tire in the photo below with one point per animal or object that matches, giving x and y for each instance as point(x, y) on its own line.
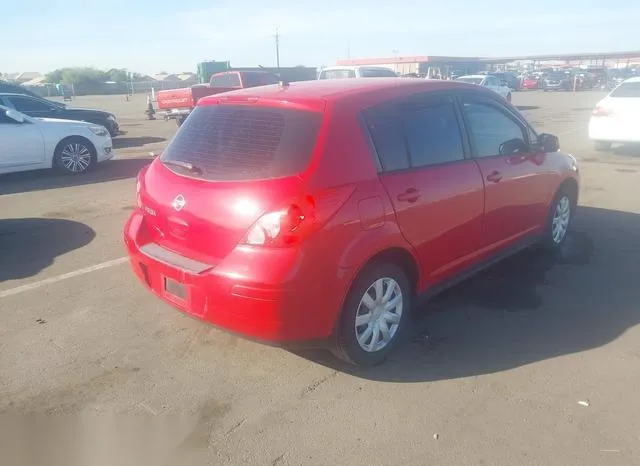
point(179, 121)
point(74, 156)
point(601, 145)
point(560, 217)
point(367, 344)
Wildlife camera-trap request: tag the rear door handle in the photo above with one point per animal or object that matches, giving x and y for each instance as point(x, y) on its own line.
point(494, 177)
point(410, 195)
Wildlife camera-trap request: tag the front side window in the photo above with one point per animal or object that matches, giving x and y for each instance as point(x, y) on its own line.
point(492, 131)
point(24, 104)
point(433, 135)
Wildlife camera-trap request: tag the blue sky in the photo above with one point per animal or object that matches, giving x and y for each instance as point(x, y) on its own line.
point(144, 36)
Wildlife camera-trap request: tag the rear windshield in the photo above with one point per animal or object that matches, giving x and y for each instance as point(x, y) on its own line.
point(369, 73)
point(337, 74)
point(627, 90)
point(236, 142)
point(259, 79)
point(470, 80)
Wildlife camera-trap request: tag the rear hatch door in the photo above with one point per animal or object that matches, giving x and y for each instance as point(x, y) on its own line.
point(226, 166)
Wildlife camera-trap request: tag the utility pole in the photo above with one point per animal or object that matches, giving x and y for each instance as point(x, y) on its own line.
point(277, 36)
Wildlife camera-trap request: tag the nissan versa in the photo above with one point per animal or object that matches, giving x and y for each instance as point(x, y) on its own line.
point(321, 212)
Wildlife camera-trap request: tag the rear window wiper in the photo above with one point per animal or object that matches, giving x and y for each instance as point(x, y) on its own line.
point(191, 168)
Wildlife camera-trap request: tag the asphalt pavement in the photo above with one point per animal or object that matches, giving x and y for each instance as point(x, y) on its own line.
point(531, 362)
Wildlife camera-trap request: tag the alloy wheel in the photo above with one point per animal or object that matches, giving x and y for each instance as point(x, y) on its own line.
point(75, 157)
point(561, 218)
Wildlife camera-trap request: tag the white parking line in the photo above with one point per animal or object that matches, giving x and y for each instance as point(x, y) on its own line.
point(64, 276)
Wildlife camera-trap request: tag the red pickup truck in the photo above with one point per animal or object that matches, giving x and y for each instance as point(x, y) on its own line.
point(178, 103)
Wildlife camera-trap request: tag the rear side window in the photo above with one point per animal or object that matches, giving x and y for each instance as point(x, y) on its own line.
point(240, 143)
point(433, 135)
point(385, 127)
point(627, 90)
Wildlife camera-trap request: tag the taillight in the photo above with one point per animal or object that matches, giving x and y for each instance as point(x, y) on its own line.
point(602, 112)
point(297, 220)
point(139, 184)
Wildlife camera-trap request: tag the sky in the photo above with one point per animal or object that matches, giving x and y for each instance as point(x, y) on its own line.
point(148, 37)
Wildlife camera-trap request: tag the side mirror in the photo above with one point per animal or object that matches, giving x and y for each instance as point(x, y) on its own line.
point(15, 116)
point(548, 142)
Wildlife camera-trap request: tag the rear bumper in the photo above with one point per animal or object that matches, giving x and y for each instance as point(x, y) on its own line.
point(113, 127)
point(611, 129)
point(281, 312)
point(176, 114)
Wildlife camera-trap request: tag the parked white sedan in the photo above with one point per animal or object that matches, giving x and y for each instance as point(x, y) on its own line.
point(488, 81)
point(616, 118)
point(28, 143)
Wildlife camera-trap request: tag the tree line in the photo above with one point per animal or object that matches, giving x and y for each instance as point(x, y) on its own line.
point(83, 76)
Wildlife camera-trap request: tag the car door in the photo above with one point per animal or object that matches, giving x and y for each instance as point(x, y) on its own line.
point(516, 190)
point(31, 106)
point(21, 144)
point(436, 192)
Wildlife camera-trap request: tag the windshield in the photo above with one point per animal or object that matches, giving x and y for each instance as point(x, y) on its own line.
point(627, 90)
point(368, 73)
point(556, 76)
point(260, 79)
point(238, 143)
point(337, 74)
point(471, 80)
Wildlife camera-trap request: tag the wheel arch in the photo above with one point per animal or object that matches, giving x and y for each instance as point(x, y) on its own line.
point(570, 186)
point(67, 139)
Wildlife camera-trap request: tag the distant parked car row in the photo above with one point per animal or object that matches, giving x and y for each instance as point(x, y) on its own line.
point(28, 143)
point(38, 133)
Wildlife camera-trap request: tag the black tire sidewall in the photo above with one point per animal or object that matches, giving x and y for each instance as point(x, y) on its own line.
point(347, 346)
point(57, 157)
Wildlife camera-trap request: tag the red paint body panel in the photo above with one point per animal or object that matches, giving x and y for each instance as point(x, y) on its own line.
point(445, 222)
point(530, 84)
point(446, 218)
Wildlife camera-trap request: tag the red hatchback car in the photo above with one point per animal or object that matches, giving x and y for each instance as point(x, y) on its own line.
point(320, 212)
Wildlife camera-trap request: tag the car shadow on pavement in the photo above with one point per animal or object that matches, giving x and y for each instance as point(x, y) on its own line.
point(529, 308)
point(29, 245)
point(39, 180)
point(125, 143)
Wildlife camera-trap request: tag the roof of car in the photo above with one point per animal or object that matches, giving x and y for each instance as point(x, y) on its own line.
point(16, 94)
point(338, 89)
point(477, 76)
point(355, 67)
